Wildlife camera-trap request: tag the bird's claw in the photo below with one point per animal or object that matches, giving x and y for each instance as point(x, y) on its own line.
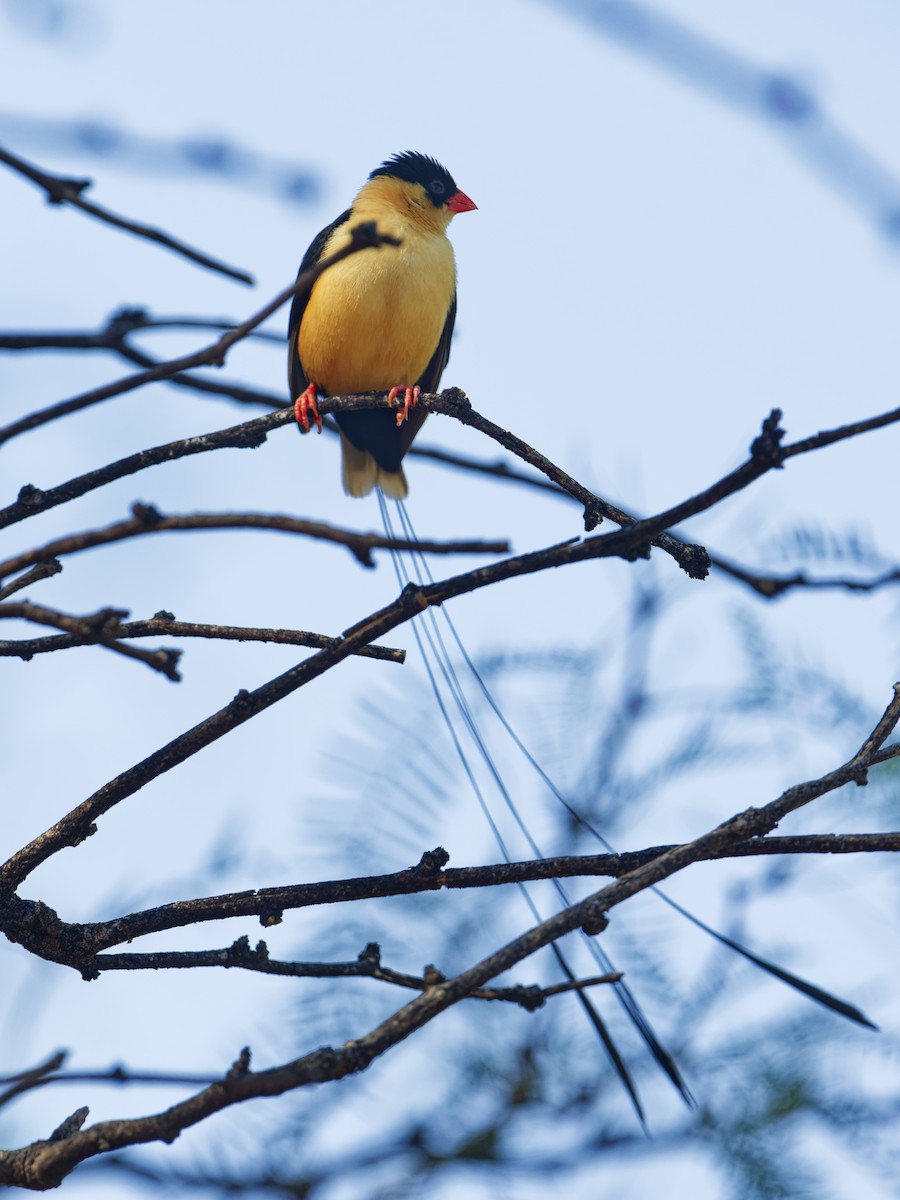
point(304, 405)
point(410, 400)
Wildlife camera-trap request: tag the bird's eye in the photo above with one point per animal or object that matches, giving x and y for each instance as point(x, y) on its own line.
point(436, 187)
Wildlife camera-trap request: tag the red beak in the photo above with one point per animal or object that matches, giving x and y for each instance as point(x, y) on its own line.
point(460, 202)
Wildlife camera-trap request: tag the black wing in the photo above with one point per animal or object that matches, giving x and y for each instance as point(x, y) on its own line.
point(297, 380)
point(431, 376)
point(376, 429)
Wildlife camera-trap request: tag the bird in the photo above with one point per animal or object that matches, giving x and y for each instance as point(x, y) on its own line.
point(380, 320)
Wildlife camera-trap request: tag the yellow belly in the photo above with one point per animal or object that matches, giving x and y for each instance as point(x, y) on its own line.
point(374, 320)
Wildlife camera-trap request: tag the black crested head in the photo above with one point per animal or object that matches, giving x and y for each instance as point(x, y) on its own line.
point(419, 168)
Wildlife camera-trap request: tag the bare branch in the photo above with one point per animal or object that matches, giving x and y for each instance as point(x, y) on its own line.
point(63, 190)
point(113, 337)
point(71, 1124)
point(773, 586)
point(627, 543)
point(164, 623)
point(100, 628)
point(43, 570)
point(828, 437)
point(44, 1164)
point(766, 453)
point(367, 966)
point(40, 930)
point(148, 520)
point(33, 500)
point(35, 1077)
point(498, 469)
point(579, 985)
point(452, 402)
point(40, 1077)
point(363, 236)
point(252, 433)
point(248, 435)
point(77, 824)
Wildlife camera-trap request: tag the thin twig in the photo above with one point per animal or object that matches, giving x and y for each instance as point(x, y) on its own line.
point(773, 586)
point(113, 337)
point(44, 1164)
point(100, 629)
point(626, 543)
point(148, 520)
point(17, 1085)
point(120, 1076)
point(363, 237)
point(367, 965)
point(63, 190)
point(43, 570)
point(113, 333)
point(165, 624)
point(528, 996)
point(247, 435)
point(693, 559)
point(78, 945)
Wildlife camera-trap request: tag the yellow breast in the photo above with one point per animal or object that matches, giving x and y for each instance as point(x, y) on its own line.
point(374, 320)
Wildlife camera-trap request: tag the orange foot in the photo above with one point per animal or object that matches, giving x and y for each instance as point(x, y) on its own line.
point(410, 400)
point(304, 405)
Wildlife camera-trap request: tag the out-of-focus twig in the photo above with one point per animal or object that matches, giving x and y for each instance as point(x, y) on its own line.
point(43, 570)
point(113, 336)
point(787, 104)
point(17, 1085)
